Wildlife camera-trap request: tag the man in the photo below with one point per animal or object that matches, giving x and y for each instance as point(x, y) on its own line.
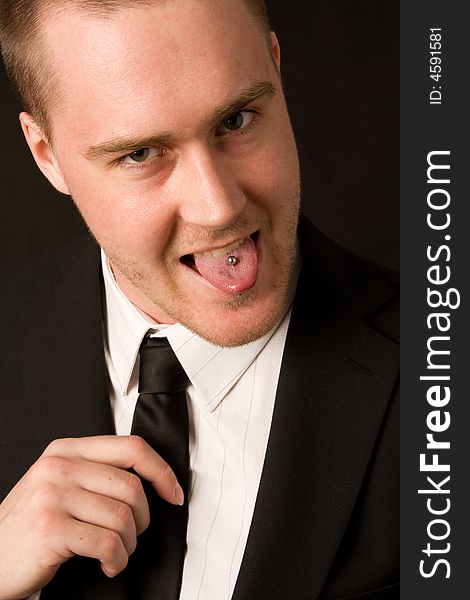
point(166, 122)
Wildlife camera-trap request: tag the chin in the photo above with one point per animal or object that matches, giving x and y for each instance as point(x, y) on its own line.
point(241, 321)
point(232, 336)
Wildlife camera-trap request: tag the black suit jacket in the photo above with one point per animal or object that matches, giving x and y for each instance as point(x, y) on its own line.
point(325, 524)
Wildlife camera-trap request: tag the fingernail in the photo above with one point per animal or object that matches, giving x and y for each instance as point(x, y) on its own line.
point(179, 495)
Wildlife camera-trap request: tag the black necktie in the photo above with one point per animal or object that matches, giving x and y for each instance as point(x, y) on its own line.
point(161, 418)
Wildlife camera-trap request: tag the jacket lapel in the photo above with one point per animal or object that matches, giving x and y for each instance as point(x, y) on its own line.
point(62, 349)
point(64, 371)
point(336, 380)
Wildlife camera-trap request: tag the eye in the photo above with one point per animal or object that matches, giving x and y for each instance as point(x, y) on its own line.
point(238, 121)
point(141, 155)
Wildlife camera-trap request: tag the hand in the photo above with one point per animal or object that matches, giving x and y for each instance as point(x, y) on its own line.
point(78, 499)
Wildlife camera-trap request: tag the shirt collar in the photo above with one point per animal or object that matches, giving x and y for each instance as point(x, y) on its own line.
point(212, 370)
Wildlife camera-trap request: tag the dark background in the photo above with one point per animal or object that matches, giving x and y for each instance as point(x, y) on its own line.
point(341, 74)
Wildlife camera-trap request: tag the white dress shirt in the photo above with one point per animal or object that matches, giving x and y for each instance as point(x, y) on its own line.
point(230, 404)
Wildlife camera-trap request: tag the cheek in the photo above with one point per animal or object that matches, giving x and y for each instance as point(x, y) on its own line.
point(276, 168)
point(129, 219)
point(276, 180)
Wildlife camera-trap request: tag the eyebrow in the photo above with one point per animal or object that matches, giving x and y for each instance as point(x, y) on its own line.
point(120, 145)
point(256, 91)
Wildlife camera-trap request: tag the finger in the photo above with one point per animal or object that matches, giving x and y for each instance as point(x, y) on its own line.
point(124, 452)
point(119, 485)
point(106, 513)
point(102, 479)
point(103, 544)
point(54, 537)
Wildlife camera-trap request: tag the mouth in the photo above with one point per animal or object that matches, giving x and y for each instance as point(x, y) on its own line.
point(190, 259)
point(232, 269)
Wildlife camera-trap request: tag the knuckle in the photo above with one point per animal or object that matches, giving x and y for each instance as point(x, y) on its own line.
point(45, 522)
point(45, 513)
point(56, 446)
point(137, 444)
point(165, 471)
point(49, 467)
point(46, 510)
point(123, 516)
point(134, 487)
point(45, 496)
point(112, 545)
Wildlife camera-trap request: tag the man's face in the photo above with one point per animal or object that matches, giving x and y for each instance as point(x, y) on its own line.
point(173, 138)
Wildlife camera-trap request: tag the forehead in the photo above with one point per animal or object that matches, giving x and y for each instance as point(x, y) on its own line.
point(152, 66)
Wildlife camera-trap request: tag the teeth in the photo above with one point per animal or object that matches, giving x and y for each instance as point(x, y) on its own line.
point(218, 252)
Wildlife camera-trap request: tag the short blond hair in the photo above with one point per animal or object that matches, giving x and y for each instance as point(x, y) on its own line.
point(24, 53)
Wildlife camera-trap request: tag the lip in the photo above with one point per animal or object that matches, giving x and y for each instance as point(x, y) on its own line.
point(209, 249)
point(187, 260)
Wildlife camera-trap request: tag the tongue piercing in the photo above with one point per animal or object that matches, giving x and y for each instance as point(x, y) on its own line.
point(232, 260)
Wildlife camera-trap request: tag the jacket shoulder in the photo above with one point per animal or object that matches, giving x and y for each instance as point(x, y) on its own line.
point(359, 286)
point(23, 278)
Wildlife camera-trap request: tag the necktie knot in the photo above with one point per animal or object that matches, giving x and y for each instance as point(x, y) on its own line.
point(160, 370)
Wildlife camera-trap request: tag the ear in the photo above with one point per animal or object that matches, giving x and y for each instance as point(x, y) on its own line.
point(276, 50)
point(42, 152)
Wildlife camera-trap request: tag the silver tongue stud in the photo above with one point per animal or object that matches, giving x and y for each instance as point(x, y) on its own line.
point(232, 260)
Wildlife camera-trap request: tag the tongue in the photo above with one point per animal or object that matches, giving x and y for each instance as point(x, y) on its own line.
point(229, 278)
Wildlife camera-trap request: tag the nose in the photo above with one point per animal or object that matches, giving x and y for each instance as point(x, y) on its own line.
point(210, 194)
